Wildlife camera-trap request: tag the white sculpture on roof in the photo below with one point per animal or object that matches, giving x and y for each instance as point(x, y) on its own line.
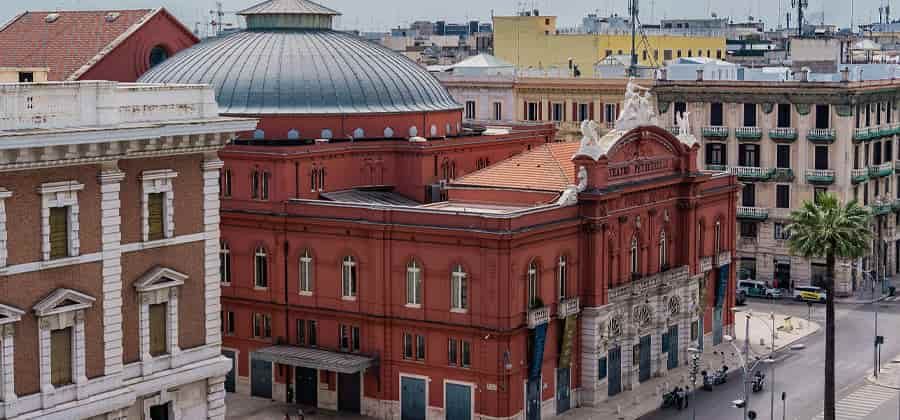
point(569, 197)
point(637, 108)
point(684, 123)
point(590, 133)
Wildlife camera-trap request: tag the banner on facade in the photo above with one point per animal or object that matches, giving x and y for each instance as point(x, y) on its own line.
point(537, 355)
point(722, 285)
point(568, 341)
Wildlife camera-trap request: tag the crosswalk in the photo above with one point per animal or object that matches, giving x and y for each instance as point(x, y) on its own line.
point(861, 403)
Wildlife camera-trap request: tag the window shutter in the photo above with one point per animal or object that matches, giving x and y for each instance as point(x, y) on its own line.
point(59, 232)
point(61, 357)
point(155, 215)
point(602, 112)
point(591, 111)
point(574, 111)
point(158, 329)
point(524, 117)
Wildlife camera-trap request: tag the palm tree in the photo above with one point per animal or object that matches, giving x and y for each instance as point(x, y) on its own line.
point(826, 228)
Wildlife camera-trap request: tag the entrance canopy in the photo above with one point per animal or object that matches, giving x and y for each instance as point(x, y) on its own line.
point(314, 358)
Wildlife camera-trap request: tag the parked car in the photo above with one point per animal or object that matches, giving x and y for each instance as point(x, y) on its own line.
point(740, 298)
point(810, 294)
point(755, 288)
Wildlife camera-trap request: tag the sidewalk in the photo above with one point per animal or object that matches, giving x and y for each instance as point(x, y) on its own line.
point(647, 397)
point(245, 407)
point(787, 331)
point(889, 375)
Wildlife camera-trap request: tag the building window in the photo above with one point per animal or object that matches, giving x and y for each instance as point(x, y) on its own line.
point(533, 298)
point(784, 115)
point(306, 272)
point(158, 316)
point(680, 109)
point(458, 289)
point(633, 254)
point(226, 183)
point(59, 232)
point(781, 232)
point(482, 163)
point(228, 322)
point(715, 153)
point(562, 276)
point(748, 155)
point(317, 179)
point(158, 329)
point(532, 113)
point(557, 113)
point(498, 111)
point(157, 55)
point(783, 156)
point(224, 262)
point(59, 214)
point(254, 184)
point(822, 116)
point(663, 252)
point(717, 239)
point(407, 346)
point(584, 112)
point(610, 113)
point(748, 230)
point(348, 277)
point(264, 191)
point(821, 157)
point(459, 353)
point(61, 357)
point(783, 196)
point(470, 110)
point(261, 268)
point(26, 77)
point(420, 347)
point(306, 332)
point(158, 204)
point(452, 352)
point(448, 169)
point(262, 326)
point(716, 114)
point(413, 283)
point(749, 115)
point(349, 338)
point(748, 195)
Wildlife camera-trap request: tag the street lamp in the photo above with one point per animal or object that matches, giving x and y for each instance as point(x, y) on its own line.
point(876, 360)
point(695, 367)
point(746, 368)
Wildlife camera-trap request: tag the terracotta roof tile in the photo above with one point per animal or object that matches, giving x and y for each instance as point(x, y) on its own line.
point(546, 168)
point(66, 44)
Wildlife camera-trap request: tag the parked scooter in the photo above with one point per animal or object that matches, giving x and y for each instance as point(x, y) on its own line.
point(720, 376)
point(758, 382)
point(676, 398)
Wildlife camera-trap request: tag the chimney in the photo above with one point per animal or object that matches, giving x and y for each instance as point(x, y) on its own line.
point(845, 74)
point(700, 75)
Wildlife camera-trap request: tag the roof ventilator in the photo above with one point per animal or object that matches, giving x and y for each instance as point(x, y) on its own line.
point(52, 17)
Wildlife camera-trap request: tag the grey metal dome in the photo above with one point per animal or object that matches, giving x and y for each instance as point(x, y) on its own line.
point(304, 71)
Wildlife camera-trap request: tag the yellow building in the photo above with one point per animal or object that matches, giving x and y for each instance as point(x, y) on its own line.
point(533, 41)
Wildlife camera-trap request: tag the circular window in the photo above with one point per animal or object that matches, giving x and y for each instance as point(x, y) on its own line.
point(293, 134)
point(157, 55)
point(388, 133)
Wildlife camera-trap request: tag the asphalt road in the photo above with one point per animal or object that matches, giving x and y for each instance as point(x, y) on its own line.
point(800, 373)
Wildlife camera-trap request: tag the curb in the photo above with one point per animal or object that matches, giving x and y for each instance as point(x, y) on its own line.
point(872, 381)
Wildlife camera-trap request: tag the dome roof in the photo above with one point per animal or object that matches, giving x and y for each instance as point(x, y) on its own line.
point(304, 70)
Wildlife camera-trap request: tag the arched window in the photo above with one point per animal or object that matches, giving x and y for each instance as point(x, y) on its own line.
point(459, 288)
point(259, 134)
point(663, 251)
point(254, 184)
point(224, 262)
point(157, 55)
point(717, 239)
point(293, 134)
point(264, 190)
point(226, 183)
point(413, 283)
point(533, 297)
point(306, 272)
point(562, 276)
point(348, 277)
point(634, 256)
point(261, 268)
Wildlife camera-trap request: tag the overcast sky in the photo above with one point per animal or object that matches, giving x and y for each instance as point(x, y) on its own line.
point(371, 15)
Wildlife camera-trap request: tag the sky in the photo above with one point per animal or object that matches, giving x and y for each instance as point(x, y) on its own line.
point(380, 15)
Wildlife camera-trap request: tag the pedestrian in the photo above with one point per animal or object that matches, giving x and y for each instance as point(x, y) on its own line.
point(679, 397)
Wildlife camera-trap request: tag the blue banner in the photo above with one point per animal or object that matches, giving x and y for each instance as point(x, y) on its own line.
point(722, 285)
point(537, 357)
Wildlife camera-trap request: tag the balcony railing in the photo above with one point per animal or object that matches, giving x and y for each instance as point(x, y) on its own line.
point(751, 173)
point(783, 175)
point(859, 175)
point(717, 168)
point(723, 258)
point(706, 263)
point(715, 132)
point(885, 169)
point(821, 135)
point(674, 130)
point(886, 130)
point(863, 134)
point(748, 133)
point(755, 213)
point(897, 165)
point(538, 316)
point(783, 133)
point(568, 307)
point(820, 176)
point(640, 286)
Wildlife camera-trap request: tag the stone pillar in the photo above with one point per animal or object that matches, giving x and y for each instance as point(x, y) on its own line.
point(110, 184)
point(4, 194)
point(215, 398)
point(7, 369)
point(211, 206)
point(44, 357)
point(80, 374)
point(172, 329)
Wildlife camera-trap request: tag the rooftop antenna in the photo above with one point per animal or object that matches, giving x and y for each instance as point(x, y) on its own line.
point(633, 12)
point(800, 5)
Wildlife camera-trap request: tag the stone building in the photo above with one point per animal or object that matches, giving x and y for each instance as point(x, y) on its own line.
point(787, 141)
point(109, 235)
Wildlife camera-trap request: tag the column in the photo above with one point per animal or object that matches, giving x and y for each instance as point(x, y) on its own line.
point(172, 326)
point(110, 185)
point(211, 205)
point(4, 194)
point(7, 368)
point(80, 374)
point(44, 356)
point(215, 398)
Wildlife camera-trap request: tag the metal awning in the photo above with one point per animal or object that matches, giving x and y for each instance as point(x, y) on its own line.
point(314, 358)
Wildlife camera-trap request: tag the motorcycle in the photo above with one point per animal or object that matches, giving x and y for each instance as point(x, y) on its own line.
point(670, 399)
point(707, 381)
point(720, 376)
point(758, 381)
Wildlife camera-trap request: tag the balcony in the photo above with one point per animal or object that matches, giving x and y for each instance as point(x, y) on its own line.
point(885, 169)
point(706, 264)
point(715, 132)
point(864, 134)
point(719, 168)
point(568, 307)
point(886, 130)
point(643, 285)
point(748, 133)
point(751, 173)
point(752, 213)
point(783, 175)
point(723, 258)
point(820, 176)
point(538, 316)
point(821, 135)
point(783, 134)
point(897, 166)
point(859, 175)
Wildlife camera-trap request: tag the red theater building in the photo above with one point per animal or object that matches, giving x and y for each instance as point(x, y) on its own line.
point(380, 257)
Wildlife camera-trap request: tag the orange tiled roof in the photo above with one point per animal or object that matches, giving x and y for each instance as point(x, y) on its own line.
point(66, 44)
point(546, 168)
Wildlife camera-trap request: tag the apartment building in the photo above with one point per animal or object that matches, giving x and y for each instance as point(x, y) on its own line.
point(109, 235)
point(787, 142)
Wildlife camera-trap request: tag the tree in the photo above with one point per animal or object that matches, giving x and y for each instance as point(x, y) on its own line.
point(826, 228)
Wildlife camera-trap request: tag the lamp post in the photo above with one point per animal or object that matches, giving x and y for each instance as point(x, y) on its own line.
point(876, 360)
point(695, 367)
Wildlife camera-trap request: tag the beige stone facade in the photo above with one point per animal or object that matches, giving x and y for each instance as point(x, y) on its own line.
point(786, 141)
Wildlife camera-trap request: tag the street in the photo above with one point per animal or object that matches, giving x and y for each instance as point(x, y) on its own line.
point(800, 373)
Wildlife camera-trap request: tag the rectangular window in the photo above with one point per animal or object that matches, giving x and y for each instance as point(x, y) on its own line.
point(783, 156)
point(260, 265)
point(783, 196)
point(61, 357)
point(311, 333)
point(715, 153)
point(26, 77)
point(749, 115)
point(407, 346)
point(470, 110)
point(857, 115)
point(680, 108)
point(821, 157)
point(584, 112)
point(59, 232)
point(748, 230)
point(601, 369)
point(345, 339)
point(821, 191)
point(452, 350)
point(498, 111)
point(748, 195)
point(155, 215)
point(610, 113)
point(262, 326)
point(667, 55)
point(254, 185)
point(868, 115)
point(822, 116)
point(466, 353)
point(301, 332)
point(420, 347)
point(227, 322)
point(348, 277)
point(748, 155)
point(458, 290)
point(784, 115)
point(876, 153)
point(557, 112)
point(716, 114)
point(878, 113)
point(266, 177)
point(888, 150)
point(158, 329)
point(695, 330)
point(781, 232)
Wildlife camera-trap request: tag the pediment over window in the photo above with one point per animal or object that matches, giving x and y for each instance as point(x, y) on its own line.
point(160, 278)
point(9, 314)
point(61, 301)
